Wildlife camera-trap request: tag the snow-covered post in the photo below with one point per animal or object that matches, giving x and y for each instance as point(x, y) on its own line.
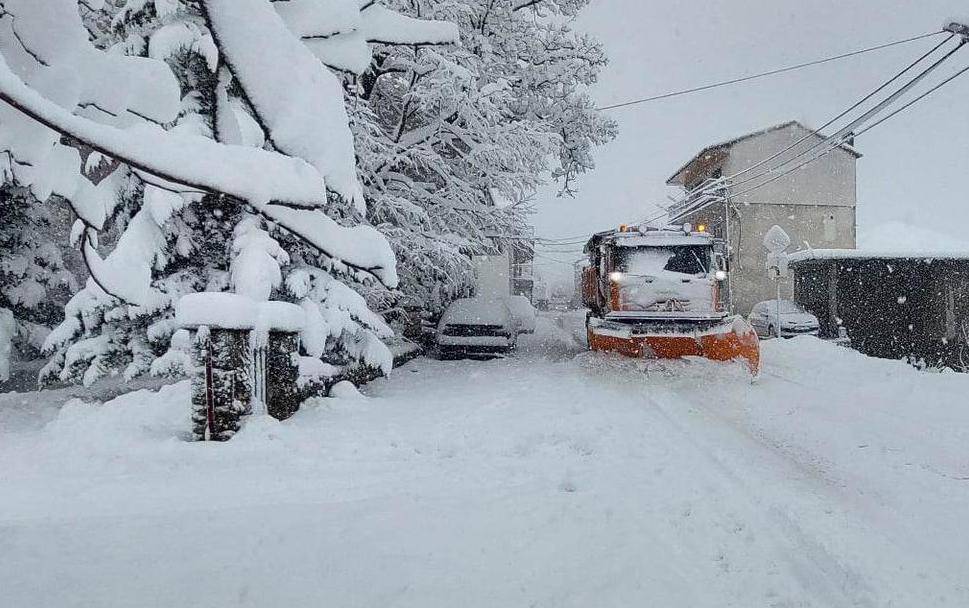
point(246, 353)
point(221, 383)
point(275, 336)
point(776, 242)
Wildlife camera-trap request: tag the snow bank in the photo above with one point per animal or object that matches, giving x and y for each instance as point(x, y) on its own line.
point(345, 390)
point(136, 422)
point(523, 311)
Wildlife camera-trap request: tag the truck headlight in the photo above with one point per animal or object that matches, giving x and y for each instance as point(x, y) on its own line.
point(616, 276)
point(720, 275)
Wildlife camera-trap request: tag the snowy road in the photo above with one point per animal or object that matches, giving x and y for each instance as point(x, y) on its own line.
point(557, 478)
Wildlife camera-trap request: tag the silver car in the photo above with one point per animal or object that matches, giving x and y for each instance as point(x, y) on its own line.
point(794, 320)
point(477, 328)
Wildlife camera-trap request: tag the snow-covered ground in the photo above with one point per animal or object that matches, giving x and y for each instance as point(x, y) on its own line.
point(555, 478)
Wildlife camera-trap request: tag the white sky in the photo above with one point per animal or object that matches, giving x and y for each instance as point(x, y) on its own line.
point(914, 168)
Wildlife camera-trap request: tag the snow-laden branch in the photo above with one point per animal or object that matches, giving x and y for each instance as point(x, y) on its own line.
point(294, 95)
point(254, 175)
point(388, 27)
point(271, 183)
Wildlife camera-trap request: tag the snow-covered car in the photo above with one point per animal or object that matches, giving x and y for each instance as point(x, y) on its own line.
point(523, 312)
point(477, 327)
point(794, 320)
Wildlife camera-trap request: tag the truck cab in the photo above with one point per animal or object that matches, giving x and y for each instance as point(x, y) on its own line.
point(655, 273)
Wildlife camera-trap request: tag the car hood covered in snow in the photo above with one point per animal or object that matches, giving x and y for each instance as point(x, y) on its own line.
point(789, 319)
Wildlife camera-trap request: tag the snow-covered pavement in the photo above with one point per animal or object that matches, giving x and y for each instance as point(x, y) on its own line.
point(555, 478)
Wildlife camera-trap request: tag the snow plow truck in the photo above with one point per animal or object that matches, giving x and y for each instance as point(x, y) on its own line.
point(660, 293)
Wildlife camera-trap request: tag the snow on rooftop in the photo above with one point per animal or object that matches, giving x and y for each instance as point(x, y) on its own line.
point(894, 240)
point(735, 140)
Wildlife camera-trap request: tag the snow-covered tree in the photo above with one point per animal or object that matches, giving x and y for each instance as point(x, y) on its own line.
point(202, 132)
point(35, 277)
point(7, 329)
point(455, 140)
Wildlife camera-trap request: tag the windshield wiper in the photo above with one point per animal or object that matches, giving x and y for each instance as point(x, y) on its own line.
point(699, 261)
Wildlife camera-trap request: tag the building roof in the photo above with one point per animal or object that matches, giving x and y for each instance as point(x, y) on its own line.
point(724, 145)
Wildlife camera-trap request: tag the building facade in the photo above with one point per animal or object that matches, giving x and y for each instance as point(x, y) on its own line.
point(508, 273)
point(739, 201)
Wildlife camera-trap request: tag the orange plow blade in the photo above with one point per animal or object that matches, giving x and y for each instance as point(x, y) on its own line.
point(733, 339)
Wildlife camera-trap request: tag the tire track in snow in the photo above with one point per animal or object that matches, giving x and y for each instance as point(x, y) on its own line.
point(819, 573)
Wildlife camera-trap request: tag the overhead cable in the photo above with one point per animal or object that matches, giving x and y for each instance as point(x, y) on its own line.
point(773, 72)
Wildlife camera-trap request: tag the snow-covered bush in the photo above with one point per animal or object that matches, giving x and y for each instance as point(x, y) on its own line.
point(35, 276)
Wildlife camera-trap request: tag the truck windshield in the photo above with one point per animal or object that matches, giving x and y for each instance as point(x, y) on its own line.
point(652, 261)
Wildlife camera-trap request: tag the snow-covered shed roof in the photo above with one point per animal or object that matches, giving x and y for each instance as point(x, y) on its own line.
point(677, 178)
point(876, 254)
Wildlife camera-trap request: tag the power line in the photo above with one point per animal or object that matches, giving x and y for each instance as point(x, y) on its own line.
point(865, 130)
point(551, 259)
point(561, 239)
point(563, 244)
point(843, 114)
point(774, 72)
point(711, 187)
point(917, 99)
point(842, 134)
